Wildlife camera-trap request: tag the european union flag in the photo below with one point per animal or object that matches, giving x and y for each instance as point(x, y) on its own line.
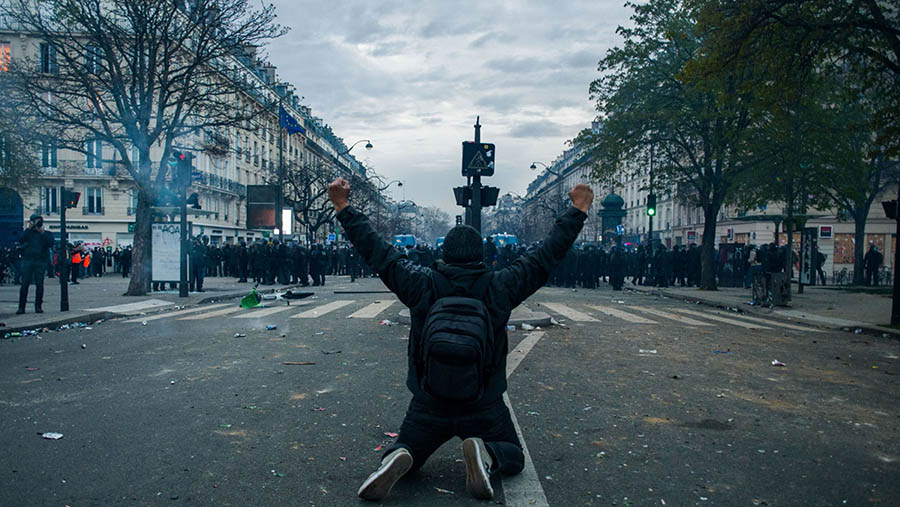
point(289, 123)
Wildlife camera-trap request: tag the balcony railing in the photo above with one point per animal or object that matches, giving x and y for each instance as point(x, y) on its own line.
point(221, 183)
point(92, 210)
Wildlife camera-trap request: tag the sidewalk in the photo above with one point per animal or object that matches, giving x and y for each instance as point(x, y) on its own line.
point(830, 307)
point(102, 298)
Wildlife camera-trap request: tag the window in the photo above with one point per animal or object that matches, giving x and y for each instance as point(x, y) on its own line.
point(48, 59)
point(132, 202)
point(93, 59)
point(135, 156)
point(247, 144)
point(5, 56)
point(93, 201)
point(49, 200)
point(48, 154)
point(255, 153)
point(93, 154)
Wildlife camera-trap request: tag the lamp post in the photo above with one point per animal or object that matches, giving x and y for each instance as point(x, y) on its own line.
point(558, 175)
point(368, 146)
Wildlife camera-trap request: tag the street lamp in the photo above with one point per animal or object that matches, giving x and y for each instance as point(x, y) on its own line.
point(368, 146)
point(558, 175)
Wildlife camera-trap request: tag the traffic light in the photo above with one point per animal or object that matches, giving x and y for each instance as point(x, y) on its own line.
point(458, 219)
point(651, 205)
point(182, 166)
point(70, 198)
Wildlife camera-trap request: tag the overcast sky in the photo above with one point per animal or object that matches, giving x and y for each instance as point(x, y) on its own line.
point(412, 77)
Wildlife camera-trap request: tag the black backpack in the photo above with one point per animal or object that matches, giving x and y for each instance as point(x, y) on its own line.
point(457, 343)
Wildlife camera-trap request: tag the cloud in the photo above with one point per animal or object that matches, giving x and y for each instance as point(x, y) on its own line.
point(541, 128)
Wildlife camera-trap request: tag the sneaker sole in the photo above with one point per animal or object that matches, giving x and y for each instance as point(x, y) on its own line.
point(478, 482)
point(379, 484)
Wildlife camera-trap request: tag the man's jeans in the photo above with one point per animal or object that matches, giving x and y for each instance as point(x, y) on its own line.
point(426, 427)
point(32, 272)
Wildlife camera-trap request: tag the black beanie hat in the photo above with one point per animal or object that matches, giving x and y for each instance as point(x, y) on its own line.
point(462, 245)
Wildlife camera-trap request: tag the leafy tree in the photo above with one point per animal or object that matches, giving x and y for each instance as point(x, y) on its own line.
point(695, 127)
point(137, 73)
point(19, 168)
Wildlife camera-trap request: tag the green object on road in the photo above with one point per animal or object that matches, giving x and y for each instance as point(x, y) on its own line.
point(251, 300)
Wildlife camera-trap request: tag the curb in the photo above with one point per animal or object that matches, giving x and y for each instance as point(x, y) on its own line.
point(536, 319)
point(865, 327)
point(88, 318)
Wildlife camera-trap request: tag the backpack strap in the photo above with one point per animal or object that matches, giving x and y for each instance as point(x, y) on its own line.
point(442, 286)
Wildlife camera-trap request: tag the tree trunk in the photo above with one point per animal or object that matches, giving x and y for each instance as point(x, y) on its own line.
point(789, 255)
point(708, 250)
point(859, 240)
point(140, 254)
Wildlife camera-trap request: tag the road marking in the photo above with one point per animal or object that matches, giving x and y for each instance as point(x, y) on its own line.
point(710, 316)
point(132, 308)
point(179, 312)
point(525, 488)
point(615, 312)
point(671, 316)
point(371, 311)
point(772, 323)
point(223, 311)
point(322, 310)
point(265, 312)
point(569, 313)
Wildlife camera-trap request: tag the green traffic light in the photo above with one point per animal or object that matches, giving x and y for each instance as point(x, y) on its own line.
point(651, 211)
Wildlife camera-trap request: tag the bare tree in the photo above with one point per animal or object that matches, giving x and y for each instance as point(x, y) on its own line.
point(138, 73)
point(18, 166)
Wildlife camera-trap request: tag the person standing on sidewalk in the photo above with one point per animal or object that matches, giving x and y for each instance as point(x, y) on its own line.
point(872, 263)
point(35, 246)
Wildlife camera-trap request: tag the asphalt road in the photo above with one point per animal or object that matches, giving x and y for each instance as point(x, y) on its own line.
point(630, 408)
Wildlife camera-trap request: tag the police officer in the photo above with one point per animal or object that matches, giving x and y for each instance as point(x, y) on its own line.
point(34, 246)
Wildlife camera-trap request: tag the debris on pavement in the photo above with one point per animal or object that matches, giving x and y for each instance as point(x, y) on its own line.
point(84, 345)
point(723, 352)
point(391, 434)
point(240, 335)
point(857, 330)
point(646, 351)
point(386, 322)
point(269, 297)
point(144, 323)
point(51, 435)
point(277, 474)
point(32, 369)
point(776, 362)
point(319, 409)
point(298, 363)
point(320, 333)
point(380, 447)
point(447, 491)
point(335, 351)
point(271, 327)
point(527, 327)
point(510, 327)
point(296, 295)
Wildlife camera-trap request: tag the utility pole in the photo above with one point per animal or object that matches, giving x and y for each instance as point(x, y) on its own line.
point(649, 214)
point(62, 259)
point(279, 201)
point(476, 184)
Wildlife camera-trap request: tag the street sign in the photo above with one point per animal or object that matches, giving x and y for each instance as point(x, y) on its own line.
point(478, 159)
point(620, 229)
point(332, 237)
point(131, 227)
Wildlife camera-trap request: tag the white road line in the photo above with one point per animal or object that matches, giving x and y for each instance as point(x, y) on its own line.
point(179, 312)
point(615, 312)
point(771, 322)
point(569, 313)
point(223, 311)
point(525, 488)
point(371, 311)
point(717, 318)
point(132, 308)
point(672, 316)
point(265, 312)
point(322, 310)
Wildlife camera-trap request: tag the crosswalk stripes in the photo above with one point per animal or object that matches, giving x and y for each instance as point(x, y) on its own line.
point(615, 312)
point(265, 312)
point(718, 318)
point(186, 311)
point(569, 313)
point(322, 310)
point(672, 316)
point(371, 311)
point(771, 322)
point(224, 311)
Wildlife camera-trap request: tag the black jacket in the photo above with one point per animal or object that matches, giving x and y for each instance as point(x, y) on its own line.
point(414, 285)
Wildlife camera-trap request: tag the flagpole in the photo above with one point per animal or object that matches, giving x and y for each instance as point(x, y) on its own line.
point(279, 221)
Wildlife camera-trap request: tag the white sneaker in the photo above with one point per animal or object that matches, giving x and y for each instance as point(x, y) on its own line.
point(478, 468)
point(393, 467)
